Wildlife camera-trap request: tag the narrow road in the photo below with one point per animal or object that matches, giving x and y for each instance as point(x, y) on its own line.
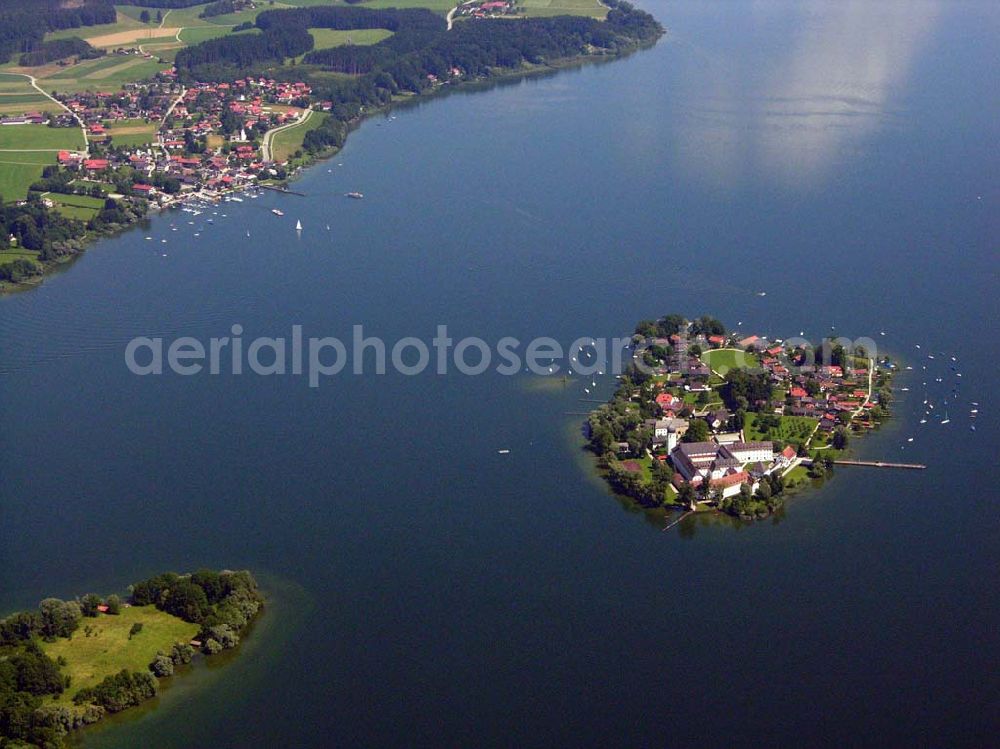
point(265, 146)
point(159, 130)
point(450, 18)
point(43, 92)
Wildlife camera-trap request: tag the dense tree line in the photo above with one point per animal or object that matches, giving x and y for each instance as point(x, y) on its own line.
point(220, 8)
point(246, 50)
point(119, 691)
point(665, 327)
point(222, 603)
point(747, 391)
point(57, 49)
point(24, 23)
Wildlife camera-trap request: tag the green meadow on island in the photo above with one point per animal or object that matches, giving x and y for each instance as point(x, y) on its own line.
point(109, 111)
point(67, 664)
point(706, 419)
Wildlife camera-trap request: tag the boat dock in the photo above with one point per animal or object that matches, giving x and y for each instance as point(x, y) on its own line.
point(284, 190)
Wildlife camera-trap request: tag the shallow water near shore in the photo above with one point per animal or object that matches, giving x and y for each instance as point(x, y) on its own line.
point(839, 156)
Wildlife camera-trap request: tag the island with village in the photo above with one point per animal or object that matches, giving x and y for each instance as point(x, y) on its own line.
point(706, 419)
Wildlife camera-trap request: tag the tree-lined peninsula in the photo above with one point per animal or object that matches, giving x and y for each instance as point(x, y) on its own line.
point(67, 664)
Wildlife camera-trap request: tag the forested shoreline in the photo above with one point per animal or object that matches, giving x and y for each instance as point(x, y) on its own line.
point(221, 605)
point(420, 53)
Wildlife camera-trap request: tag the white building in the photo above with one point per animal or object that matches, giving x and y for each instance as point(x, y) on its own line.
point(752, 452)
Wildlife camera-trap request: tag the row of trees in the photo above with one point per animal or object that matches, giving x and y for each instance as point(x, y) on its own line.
point(57, 49)
point(243, 51)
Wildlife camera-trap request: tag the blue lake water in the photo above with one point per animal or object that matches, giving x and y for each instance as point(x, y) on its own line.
point(841, 157)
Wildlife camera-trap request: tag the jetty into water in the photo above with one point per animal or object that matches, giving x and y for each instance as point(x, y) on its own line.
point(284, 190)
point(870, 464)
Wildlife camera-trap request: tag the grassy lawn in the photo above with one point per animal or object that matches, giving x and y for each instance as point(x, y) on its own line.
point(326, 38)
point(82, 207)
point(590, 8)
point(791, 429)
point(90, 659)
point(797, 475)
point(723, 359)
point(90, 183)
point(285, 143)
point(9, 256)
point(645, 466)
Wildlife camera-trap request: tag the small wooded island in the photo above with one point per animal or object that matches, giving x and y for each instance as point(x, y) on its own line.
point(67, 664)
point(705, 419)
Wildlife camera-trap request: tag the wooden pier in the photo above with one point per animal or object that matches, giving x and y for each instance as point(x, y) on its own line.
point(878, 464)
point(284, 190)
point(678, 520)
point(871, 464)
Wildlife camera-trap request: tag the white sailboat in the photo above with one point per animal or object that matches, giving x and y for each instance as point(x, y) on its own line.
point(298, 226)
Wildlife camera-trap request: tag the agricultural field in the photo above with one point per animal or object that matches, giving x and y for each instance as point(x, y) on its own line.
point(17, 96)
point(131, 132)
point(123, 23)
point(18, 171)
point(438, 6)
point(104, 74)
point(724, 359)
point(108, 649)
point(25, 150)
point(327, 38)
point(39, 137)
point(591, 8)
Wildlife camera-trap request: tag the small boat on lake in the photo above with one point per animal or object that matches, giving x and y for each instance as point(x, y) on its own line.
point(277, 212)
point(298, 226)
point(355, 195)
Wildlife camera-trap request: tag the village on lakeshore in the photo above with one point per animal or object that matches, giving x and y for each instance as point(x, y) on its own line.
point(197, 141)
point(710, 419)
